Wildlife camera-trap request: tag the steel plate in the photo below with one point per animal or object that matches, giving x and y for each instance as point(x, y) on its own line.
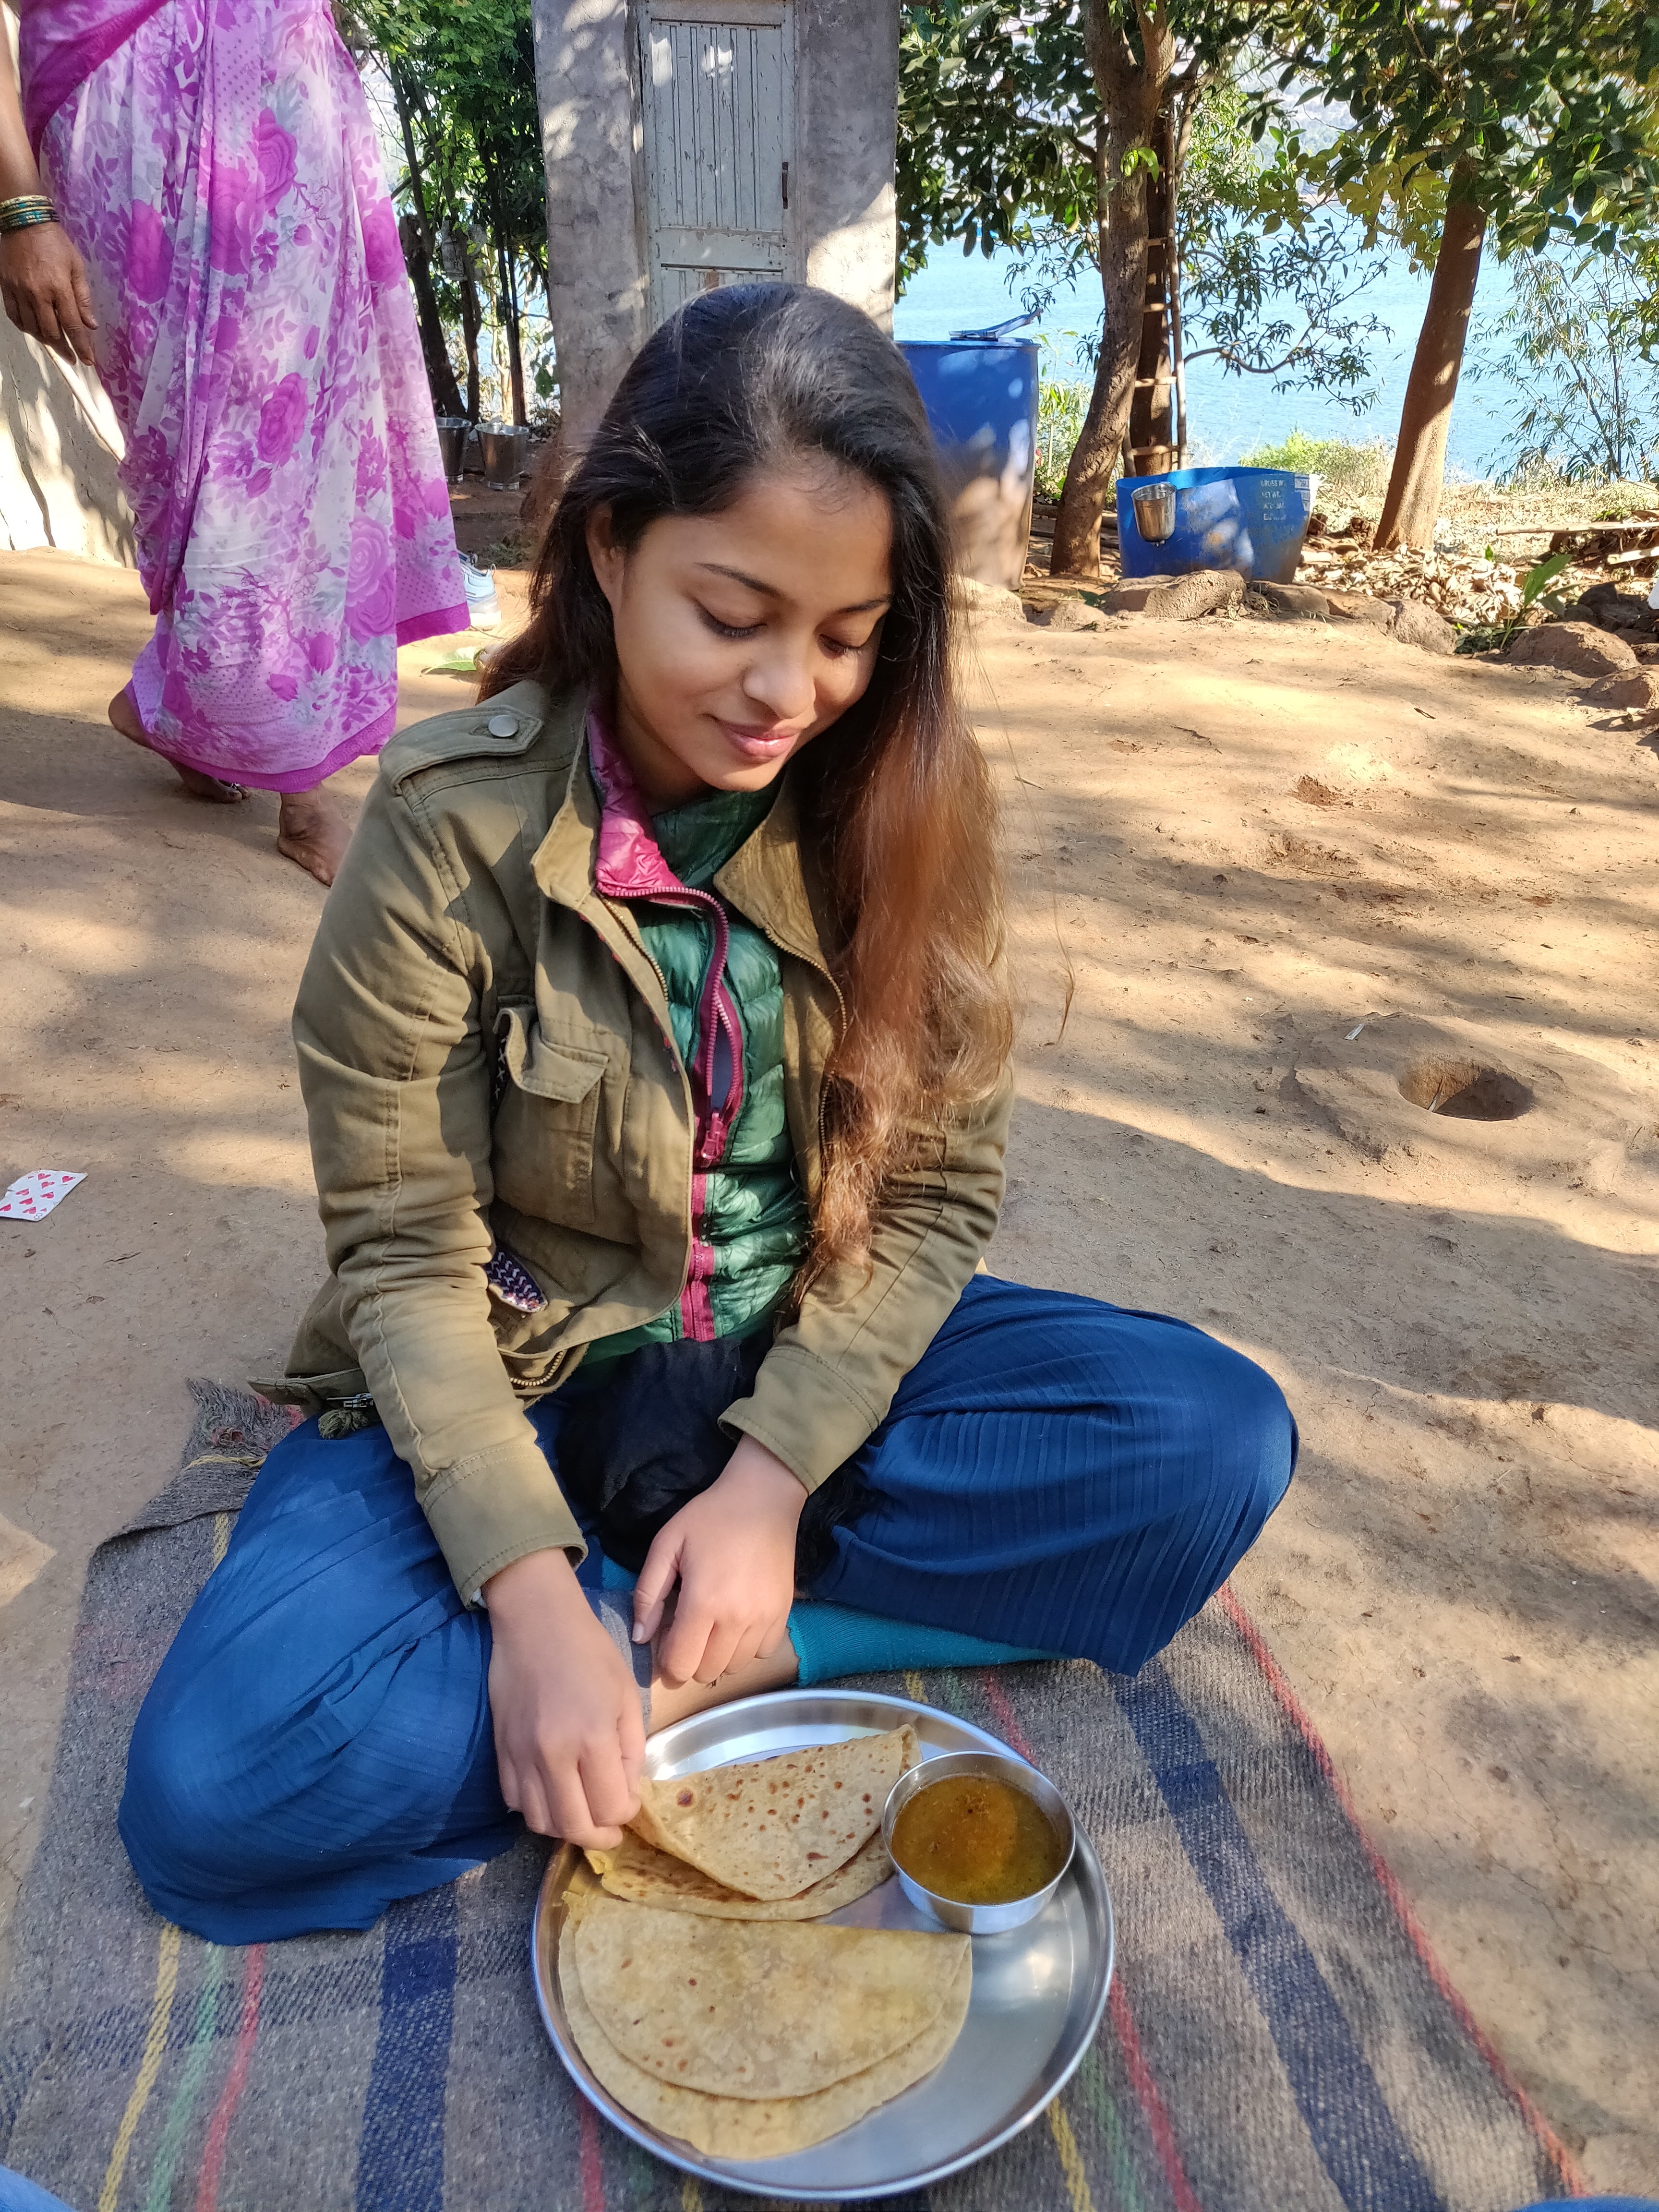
point(1038, 1992)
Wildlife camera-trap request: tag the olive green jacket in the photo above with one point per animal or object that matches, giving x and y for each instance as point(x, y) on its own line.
point(464, 951)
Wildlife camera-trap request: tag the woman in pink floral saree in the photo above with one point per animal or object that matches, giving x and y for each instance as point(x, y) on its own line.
point(215, 164)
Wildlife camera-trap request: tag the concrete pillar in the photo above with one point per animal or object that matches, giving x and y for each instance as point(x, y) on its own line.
point(846, 136)
point(596, 286)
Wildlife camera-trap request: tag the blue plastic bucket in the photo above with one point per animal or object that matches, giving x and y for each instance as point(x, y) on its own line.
point(982, 402)
point(1251, 519)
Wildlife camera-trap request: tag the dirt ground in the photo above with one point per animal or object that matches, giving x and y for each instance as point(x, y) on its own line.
point(1233, 844)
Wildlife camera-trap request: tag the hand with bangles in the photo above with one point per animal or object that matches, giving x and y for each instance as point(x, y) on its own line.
point(43, 282)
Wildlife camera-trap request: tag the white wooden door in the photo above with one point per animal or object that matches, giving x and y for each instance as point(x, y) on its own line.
point(717, 81)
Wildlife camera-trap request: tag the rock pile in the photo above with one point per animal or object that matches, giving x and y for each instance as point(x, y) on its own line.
point(1468, 591)
point(1473, 592)
point(1626, 614)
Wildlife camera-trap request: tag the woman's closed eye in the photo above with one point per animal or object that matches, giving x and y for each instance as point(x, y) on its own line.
point(838, 647)
point(729, 629)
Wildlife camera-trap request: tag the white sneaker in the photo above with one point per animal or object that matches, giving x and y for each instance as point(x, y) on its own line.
point(481, 603)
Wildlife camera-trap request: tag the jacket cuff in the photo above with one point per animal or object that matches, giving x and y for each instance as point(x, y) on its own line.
point(805, 1411)
point(497, 1507)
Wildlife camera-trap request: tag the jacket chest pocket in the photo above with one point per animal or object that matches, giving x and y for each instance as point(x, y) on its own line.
point(547, 1107)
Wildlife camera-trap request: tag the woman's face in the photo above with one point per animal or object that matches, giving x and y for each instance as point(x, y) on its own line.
point(741, 635)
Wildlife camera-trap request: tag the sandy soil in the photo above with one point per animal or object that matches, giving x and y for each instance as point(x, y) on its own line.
point(1232, 843)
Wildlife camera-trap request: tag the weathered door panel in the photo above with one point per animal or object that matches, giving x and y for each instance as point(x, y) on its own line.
point(717, 83)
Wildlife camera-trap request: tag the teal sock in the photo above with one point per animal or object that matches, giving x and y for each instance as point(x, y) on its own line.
point(832, 1640)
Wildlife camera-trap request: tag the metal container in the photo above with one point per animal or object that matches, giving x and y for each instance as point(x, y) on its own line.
point(503, 449)
point(1002, 1766)
point(1155, 512)
point(452, 444)
point(1038, 1993)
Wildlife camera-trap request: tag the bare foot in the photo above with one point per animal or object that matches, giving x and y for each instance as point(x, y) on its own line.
point(124, 717)
point(310, 832)
point(673, 1701)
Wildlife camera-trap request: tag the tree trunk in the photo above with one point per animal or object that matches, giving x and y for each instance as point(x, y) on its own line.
point(471, 317)
point(1151, 424)
point(515, 348)
point(1419, 458)
point(510, 322)
point(415, 235)
point(1132, 90)
point(1178, 350)
point(440, 372)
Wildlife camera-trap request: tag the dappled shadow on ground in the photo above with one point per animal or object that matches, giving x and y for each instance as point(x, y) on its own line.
point(1459, 1580)
point(153, 945)
point(1563, 1321)
point(1224, 846)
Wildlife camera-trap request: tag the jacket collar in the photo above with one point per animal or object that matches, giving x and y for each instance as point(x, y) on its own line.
point(628, 862)
point(763, 880)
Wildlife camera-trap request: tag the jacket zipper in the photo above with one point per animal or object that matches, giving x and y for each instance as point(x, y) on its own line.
point(717, 1011)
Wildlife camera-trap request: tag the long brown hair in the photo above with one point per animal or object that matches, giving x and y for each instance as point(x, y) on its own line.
point(896, 806)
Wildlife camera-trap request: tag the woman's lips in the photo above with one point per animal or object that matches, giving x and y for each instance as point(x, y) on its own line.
point(759, 744)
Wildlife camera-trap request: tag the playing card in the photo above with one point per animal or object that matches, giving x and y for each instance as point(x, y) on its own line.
point(32, 1196)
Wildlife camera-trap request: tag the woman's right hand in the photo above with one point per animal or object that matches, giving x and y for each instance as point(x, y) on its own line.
point(569, 1735)
point(43, 282)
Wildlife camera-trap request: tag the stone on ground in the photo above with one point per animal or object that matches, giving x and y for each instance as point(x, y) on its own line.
point(1611, 608)
point(1416, 624)
point(1074, 614)
point(1176, 598)
point(988, 602)
point(1288, 602)
point(1360, 607)
point(1574, 645)
point(1628, 687)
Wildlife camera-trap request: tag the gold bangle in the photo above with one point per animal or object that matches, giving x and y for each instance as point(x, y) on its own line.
point(25, 218)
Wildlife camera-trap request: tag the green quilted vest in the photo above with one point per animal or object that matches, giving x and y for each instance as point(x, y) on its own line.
point(754, 1213)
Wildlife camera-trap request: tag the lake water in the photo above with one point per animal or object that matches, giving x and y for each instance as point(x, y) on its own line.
point(1229, 414)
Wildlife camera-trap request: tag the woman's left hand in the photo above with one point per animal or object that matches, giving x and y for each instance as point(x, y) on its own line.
point(43, 284)
point(731, 1551)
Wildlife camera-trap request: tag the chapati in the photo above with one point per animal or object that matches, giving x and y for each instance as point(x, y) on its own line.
point(745, 2128)
point(757, 2009)
point(773, 1828)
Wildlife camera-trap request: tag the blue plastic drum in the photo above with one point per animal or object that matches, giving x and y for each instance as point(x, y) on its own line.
point(1251, 519)
point(981, 394)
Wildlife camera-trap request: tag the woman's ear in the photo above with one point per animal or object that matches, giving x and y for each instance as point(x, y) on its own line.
point(606, 555)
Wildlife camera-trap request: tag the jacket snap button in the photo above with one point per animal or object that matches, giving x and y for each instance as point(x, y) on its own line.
point(503, 725)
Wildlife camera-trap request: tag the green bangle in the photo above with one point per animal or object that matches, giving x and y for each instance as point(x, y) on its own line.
point(27, 220)
point(23, 209)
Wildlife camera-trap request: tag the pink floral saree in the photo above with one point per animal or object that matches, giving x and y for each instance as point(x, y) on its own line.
point(216, 163)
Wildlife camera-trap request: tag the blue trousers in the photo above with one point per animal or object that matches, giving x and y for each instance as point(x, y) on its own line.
point(1055, 1473)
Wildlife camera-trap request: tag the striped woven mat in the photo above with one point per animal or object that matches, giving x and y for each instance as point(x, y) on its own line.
point(1278, 2036)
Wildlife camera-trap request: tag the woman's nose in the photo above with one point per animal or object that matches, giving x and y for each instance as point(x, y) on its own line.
point(782, 682)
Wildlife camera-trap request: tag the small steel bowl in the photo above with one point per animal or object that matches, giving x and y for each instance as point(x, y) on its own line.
point(979, 1919)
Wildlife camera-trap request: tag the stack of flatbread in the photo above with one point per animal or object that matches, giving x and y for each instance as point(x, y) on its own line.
point(703, 2010)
